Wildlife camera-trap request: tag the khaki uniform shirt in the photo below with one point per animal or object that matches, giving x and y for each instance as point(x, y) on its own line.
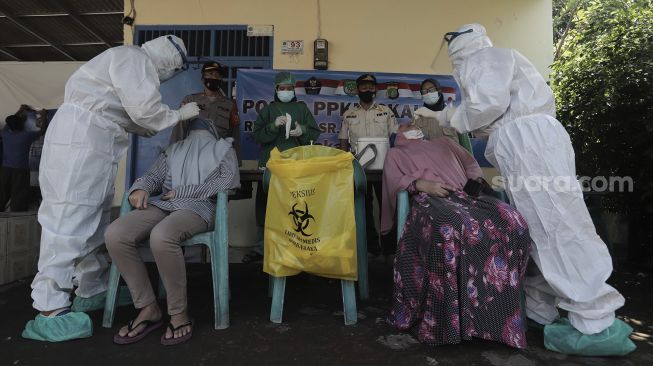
point(378, 121)
point(221, 110)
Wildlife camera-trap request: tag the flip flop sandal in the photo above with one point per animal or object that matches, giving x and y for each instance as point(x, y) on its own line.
point(174, 341)
point(149, 327)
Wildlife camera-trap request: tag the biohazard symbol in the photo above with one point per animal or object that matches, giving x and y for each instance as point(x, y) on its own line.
point(301, 219)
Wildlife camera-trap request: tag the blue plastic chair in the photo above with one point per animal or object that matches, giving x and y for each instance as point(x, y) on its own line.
point(278, 284)
point(217, 242)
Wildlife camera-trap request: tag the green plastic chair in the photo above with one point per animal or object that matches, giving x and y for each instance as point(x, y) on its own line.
point(217, 242)
point(278, 284)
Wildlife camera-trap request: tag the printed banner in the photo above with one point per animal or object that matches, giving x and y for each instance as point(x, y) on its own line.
point(328, 94)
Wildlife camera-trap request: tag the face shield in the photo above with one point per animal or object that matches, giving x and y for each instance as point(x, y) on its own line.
point(184, 63)
point(466, 40)
point(450, 36)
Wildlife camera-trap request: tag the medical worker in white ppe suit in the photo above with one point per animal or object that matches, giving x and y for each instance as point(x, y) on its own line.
point(114, 93)
point(504, 97)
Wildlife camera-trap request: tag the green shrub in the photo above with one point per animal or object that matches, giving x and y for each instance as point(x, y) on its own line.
point(603, 83)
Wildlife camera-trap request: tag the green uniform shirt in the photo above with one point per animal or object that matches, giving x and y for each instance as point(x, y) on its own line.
point(271, 136)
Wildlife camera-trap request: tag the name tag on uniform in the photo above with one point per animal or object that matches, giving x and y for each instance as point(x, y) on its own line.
point(351, 116)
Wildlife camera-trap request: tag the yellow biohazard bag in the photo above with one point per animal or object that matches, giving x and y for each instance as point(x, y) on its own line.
point(309, 221)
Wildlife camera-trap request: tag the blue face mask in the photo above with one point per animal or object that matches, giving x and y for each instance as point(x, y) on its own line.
point(285, 95)
point(431, 98)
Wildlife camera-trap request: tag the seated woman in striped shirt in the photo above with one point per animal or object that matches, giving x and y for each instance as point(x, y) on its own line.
point(188, 175)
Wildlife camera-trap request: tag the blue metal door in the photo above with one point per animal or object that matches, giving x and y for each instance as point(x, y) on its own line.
point(229, 45)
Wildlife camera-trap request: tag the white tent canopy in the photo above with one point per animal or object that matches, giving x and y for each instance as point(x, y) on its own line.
point(38, 84)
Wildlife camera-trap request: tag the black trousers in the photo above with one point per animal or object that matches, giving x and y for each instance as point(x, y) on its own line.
point(261, 204)
point(14, 187)
point(373, 244)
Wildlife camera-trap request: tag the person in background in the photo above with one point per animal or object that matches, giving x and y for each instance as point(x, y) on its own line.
point(368, 119)
point(425, 117)
point(214, 106)
point(14, 178)
point(115, 93)
point(188, 175)
point(270, 132)
point(463, 254)
point(35, 152)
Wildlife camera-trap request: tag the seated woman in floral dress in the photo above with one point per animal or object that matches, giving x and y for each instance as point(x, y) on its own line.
point(461, 259)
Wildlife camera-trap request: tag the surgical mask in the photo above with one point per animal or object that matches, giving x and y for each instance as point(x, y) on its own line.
point(212, 84)
point(416, 134)
point(367, 96)
point(285, 95)
point(431, 98)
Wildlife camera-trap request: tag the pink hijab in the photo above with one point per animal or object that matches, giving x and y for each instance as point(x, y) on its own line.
point(440, 160)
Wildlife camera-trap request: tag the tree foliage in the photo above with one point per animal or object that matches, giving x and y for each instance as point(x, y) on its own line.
point(563, 13)
point(603, 81)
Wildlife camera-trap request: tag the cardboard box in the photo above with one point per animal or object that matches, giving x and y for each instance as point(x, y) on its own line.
point(19, 245)
point(19, 266)
point(22, 232)
point(3, 270)
point(3, 239)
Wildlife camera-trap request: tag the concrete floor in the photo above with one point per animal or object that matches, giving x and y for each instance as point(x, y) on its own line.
point(312, 333)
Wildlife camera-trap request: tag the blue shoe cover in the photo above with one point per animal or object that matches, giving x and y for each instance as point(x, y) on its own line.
point(562, 337)
point(59, 328)
point(96, 302)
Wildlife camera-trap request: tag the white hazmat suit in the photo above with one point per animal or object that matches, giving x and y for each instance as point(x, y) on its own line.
point(504, 97)
point(114, 93)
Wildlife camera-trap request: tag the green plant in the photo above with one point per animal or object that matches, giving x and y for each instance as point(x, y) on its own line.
point(603, 83)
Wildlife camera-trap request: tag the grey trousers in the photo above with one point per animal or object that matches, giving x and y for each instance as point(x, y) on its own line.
point(166, 230)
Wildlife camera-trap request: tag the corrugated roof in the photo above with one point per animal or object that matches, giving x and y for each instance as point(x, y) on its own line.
point(46, 30)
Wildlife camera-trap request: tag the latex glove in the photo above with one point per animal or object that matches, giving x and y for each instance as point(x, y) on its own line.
point(169, 195)
point(297, 131)
point(280, 121)
point(439, 116)
point(138, 199)
point(447, 115)
point(188, 111)
point(425, 113)
point(433, 189)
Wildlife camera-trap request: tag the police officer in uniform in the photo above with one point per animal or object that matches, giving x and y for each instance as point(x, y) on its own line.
point(214, 105)
point(368, 119)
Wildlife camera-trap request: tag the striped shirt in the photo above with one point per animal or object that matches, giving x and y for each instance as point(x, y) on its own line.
point(35, 152)
point(199, 199)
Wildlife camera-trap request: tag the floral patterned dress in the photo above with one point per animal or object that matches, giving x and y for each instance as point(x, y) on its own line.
point(458, 270)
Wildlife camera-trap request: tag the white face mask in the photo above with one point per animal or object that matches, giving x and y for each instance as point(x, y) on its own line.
point(285, 95)
point(416, 134)
point(431, 98)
